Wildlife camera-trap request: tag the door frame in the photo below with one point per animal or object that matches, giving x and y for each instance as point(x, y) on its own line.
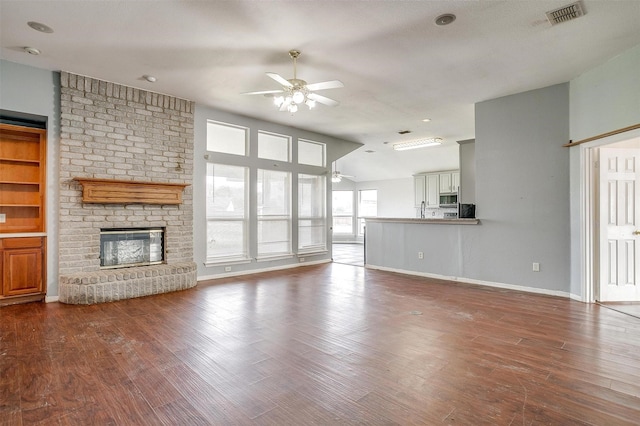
point(589, 220)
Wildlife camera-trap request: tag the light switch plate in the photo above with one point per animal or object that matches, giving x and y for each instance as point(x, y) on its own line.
point(3, 218)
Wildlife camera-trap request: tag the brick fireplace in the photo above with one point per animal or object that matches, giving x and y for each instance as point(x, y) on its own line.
point(114, 132)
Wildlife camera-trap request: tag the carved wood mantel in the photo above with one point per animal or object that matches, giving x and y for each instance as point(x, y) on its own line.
point(111, 191)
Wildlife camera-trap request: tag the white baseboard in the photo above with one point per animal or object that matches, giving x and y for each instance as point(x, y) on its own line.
point(257, 271)
point(50, 299)
point(478, 282)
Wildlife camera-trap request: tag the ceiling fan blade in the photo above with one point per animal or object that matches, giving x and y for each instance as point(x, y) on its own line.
point(280, 79)
point(333, 84)
point(263, 92)
point(323, 99)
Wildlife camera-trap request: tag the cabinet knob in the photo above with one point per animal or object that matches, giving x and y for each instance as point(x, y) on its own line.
point(636, 232)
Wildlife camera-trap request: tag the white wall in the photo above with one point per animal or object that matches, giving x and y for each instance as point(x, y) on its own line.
point(35, 91)
point(603, 99)
point(395, 197)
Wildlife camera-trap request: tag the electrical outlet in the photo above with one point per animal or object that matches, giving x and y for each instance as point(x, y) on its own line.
point(3, 218)
point(301, 259)
point(536, 267)
point(227, 268)
point(420, 255)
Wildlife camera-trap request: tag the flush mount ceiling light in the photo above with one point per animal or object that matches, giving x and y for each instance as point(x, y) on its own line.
point(445, 19)
point(419, 143)
point(32, 50)
point(40, 27)
point(296, 92)
point(150, 78)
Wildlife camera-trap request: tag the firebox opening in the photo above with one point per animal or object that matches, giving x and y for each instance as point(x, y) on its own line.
point(124, 248)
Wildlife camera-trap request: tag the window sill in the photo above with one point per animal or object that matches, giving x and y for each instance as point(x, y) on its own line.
point(234, 261)
point(312, 253)
point(274, 257)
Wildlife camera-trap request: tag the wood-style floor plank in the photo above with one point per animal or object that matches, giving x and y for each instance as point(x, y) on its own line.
point(329, 344)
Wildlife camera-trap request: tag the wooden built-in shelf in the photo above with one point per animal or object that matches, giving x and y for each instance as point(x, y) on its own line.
point(111, 191)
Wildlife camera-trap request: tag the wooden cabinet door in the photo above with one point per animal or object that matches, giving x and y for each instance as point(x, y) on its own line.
point(22, 271)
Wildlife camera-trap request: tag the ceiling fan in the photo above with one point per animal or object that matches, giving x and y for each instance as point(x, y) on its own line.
point(336, 176)
point(296, 92)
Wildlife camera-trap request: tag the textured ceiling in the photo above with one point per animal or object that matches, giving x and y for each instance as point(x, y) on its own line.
point(397, 66)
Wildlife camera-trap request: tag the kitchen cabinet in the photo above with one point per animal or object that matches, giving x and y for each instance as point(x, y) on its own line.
point(22, 266)
point(426, 189)
point(449, 182)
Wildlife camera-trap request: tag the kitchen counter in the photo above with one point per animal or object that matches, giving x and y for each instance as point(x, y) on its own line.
point(426, 221)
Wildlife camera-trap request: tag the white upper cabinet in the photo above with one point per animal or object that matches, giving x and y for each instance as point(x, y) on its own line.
point(449, 182)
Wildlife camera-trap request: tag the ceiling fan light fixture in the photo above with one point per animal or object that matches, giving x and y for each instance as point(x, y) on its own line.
point(292, 108)
point(336, 178)
point(278, 101)
point(298, 96)
point(419, 143)
point(310, 103)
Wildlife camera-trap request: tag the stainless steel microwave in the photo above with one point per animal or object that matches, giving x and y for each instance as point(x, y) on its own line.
point(448, 200)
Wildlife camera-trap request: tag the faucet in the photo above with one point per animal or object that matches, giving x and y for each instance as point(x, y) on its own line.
point(422, 209)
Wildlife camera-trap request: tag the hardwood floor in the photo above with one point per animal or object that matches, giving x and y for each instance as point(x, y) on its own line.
point(327, 344)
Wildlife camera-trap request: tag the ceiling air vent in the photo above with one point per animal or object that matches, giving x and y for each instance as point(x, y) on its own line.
point(565, 13)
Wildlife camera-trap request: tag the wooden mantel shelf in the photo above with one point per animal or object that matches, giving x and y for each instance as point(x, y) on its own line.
point(111, 191)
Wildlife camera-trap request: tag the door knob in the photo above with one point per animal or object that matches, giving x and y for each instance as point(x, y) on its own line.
point(636, 232)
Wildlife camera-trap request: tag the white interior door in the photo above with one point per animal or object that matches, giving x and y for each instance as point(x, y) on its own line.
point(619, 224)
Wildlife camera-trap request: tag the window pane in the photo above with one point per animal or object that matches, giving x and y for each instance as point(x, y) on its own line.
point(273, 236)
point(274, 212)
point(226, 191)
point(227, 138)
point(343, 225)
point(224, 239)
point(226, 207)
point(312, 222)
point(342, 203)
point(311, 153)
point(274, 147)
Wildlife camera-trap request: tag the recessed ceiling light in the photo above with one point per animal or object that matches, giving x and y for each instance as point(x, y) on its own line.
point(369, 151)
point(32, 50)
point(404, 132)
point(150, 78)
point(40, 27)
point(445, 19)
point(426, 120)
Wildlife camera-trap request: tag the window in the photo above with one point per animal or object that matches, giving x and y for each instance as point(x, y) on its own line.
point(367, 207)
point(227, 138)
point(312, 216)
point(274, 213)
point(227, 219)
point(274, 147)
point(311, 153)
point(342, 208)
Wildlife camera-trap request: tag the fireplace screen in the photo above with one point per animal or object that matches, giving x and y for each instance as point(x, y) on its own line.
point(122, 248)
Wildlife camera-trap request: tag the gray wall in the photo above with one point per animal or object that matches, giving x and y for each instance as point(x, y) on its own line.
point(522, 187)
point(603, 99)
point(35, 91)
point(336, 148)
point(467, 151)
